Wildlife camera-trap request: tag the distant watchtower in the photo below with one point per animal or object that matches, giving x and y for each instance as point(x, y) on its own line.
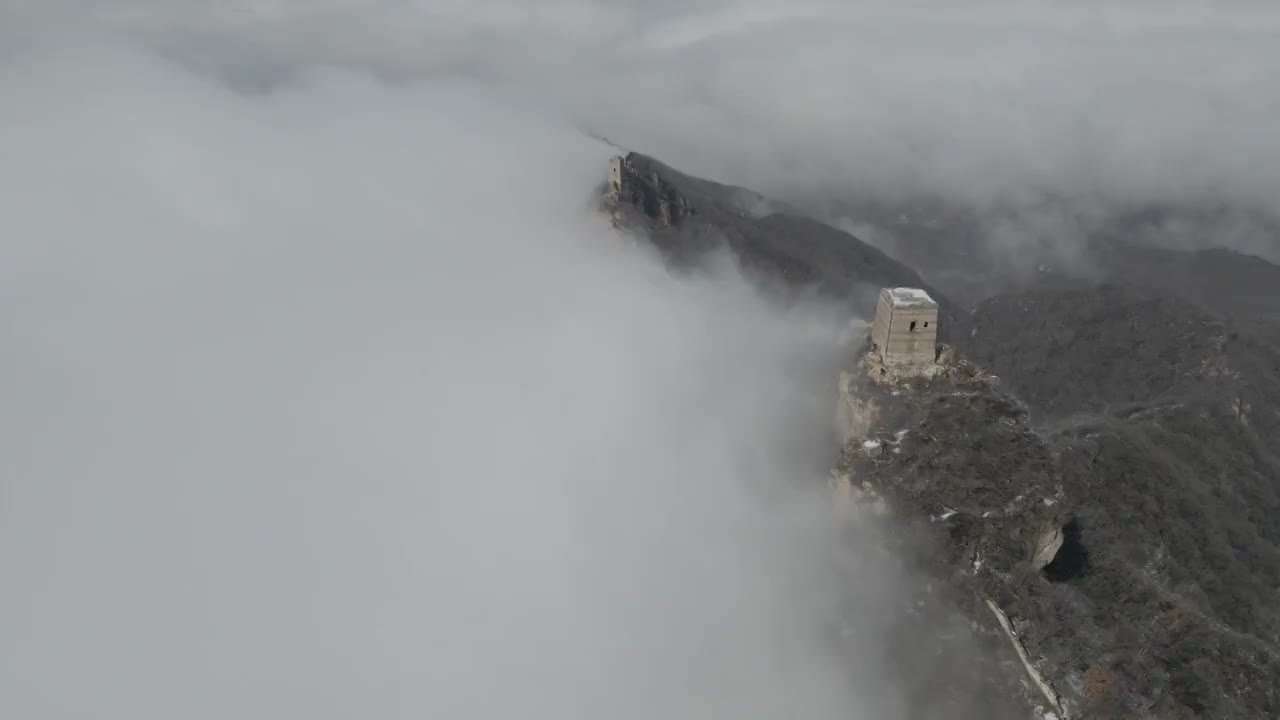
point(906, 327)
point(615, 176)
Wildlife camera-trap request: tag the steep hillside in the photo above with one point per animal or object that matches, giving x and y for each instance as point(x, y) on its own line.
point(1164, 418)
point(1110, 477)
point(1121, 352)
point(686, 217)
point(1244, 287)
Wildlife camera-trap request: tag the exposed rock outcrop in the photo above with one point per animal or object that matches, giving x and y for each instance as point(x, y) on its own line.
point(646, 190)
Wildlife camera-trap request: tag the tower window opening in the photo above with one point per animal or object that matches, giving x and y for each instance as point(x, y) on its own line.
point(913, 325)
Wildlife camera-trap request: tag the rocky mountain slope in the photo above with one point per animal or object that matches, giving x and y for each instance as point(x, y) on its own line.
point(1106, 465)
point(688, 217)
point(1090, 474)
point(1163, 419)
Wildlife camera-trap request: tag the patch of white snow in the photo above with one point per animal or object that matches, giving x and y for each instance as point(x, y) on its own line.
point(905, 297)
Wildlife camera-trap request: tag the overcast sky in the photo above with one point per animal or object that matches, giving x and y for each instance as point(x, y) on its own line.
point(328, 393)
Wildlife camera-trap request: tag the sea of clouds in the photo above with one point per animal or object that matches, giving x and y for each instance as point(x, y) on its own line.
point(328, 391)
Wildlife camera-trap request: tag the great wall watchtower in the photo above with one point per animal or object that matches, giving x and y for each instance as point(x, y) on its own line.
point(905, 333)
point(615, 176)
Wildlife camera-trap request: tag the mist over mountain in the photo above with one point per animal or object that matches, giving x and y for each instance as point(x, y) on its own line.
point(335, 386)
point(1094, 463)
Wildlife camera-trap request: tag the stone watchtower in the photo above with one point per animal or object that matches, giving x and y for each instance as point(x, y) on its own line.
point(615, 176)
point(906, 327)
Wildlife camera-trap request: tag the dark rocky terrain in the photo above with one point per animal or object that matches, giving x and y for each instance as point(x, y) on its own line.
point(1163, 419)
point(687, 217)
point(1144, 429)
point(1098, 458)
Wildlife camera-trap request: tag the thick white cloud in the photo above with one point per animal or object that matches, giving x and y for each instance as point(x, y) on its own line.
point(344, 400)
